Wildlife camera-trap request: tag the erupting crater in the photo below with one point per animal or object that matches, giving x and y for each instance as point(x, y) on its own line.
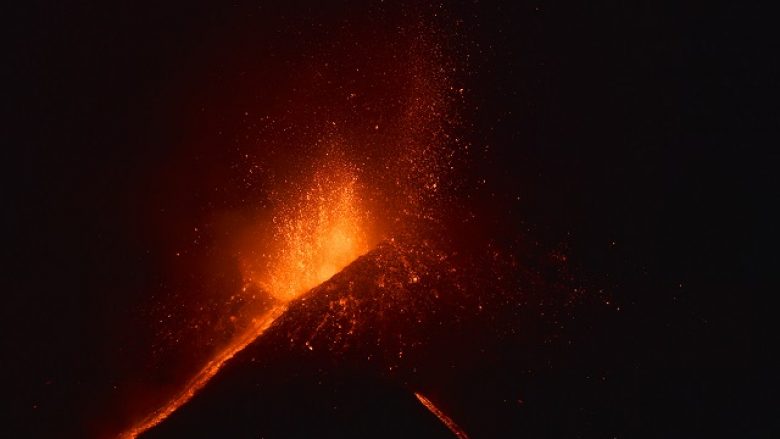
point(320, 231)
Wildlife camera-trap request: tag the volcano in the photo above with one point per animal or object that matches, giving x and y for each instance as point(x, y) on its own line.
point(380, 350)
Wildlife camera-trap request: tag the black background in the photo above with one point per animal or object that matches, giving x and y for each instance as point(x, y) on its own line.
point(637, 135)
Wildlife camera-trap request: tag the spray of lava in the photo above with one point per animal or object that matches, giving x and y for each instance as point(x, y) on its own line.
point(315, 237)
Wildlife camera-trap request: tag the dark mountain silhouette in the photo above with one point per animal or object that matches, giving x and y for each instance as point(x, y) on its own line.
point(346, 358)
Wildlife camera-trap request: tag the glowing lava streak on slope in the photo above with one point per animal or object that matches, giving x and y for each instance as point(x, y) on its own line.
point(211, 369)
point(446, 420)
point(320, 233)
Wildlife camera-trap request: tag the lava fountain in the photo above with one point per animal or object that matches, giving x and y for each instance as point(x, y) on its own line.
point(320, 231)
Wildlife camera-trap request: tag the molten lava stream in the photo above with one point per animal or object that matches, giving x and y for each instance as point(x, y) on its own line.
point(211, 368)
point(320, 234)
point(446, 420)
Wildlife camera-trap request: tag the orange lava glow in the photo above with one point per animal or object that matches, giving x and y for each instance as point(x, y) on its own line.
point(212, 367)
point(319, 232)
point(322, 233)
point(446, 420)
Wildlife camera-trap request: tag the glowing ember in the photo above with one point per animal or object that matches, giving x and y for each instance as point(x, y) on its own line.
point(442, 417)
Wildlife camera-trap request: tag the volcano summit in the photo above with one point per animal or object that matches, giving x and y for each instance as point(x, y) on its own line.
point(350, 355)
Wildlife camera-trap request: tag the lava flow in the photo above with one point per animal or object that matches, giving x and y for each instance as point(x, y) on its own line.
point(323, 231)
point(203, 377)
point(446, 420)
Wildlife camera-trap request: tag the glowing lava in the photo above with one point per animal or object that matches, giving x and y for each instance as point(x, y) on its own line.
point(203, 377)
point(446, 420)
point(323, 232)
point(318, 234)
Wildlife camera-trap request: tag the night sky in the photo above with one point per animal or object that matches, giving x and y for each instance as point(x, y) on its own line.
point(631, 145)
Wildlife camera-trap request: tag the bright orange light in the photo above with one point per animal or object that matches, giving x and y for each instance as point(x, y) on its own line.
point(315, 237)
point(322, 232)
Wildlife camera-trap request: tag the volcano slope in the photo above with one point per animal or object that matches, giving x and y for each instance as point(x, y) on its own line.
point(475, 332)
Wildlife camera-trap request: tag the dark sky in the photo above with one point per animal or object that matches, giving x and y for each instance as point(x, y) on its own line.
point(637, 137)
